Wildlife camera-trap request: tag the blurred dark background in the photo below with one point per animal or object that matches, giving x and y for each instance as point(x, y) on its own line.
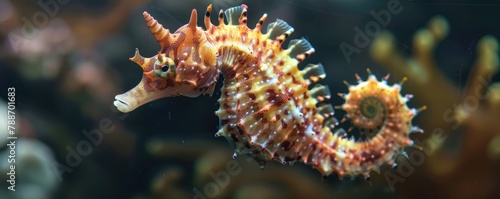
point(67, 60)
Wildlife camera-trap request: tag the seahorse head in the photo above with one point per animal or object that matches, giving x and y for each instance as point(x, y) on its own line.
point(185, 65)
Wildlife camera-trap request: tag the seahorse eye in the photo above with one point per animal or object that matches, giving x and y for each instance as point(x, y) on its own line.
point(164, 67)
point(370, 108)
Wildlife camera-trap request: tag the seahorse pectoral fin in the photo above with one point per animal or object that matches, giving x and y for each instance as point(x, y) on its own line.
point(233, 58)
point(209, 79)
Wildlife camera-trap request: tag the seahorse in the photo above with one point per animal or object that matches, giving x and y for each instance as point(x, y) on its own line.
point(267, 108)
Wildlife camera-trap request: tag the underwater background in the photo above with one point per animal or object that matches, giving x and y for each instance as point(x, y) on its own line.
point(67, 59)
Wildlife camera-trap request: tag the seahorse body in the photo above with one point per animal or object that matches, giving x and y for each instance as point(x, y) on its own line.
point(266, 108)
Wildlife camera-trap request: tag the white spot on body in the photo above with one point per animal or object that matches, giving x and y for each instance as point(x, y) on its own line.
point(309, 131)
point(341, 155)
point(296, 113)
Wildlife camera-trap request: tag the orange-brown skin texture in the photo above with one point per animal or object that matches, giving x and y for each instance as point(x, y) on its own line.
point(267, 108)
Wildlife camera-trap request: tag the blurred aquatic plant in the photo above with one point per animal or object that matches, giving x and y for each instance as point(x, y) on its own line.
point(424, 72)
point(210, 159)
point(34, 175)
point(3, 124)
point(43, 56)
point(471, 120)
point(63, 67)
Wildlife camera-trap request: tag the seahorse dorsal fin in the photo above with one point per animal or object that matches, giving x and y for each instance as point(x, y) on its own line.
point(233, 14)
point(193, 20)
point(299, 46)
point(320, 92)
point(279, 30)
point(331, 122)
point(314, 72)
point(243, 17)
point(326, 110)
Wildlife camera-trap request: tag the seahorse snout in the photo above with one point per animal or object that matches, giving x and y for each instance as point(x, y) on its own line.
point(122, 105)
